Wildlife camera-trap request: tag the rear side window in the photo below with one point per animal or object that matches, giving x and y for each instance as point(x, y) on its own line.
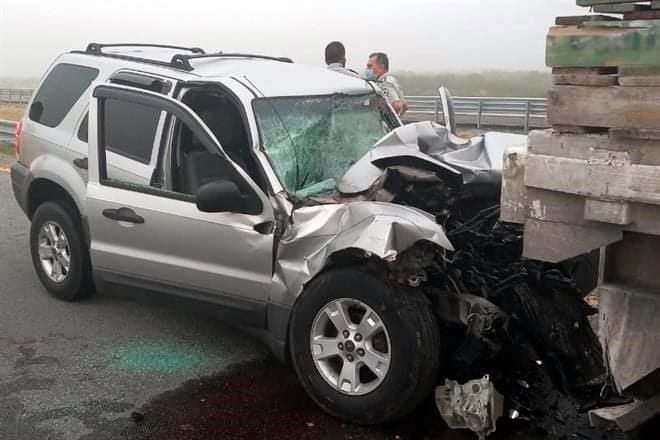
point(130, 129)
point(59, 92)
point(133, 80)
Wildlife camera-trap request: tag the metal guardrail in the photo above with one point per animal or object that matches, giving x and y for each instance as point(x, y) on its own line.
point(7, 130)
point(15, 96)
point(524, 113)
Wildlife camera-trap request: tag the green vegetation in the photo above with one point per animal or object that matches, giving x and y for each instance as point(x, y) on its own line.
point(6, 149)
point(533, 84)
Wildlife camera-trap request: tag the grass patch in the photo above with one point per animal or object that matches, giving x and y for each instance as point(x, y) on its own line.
point(7, 149)
point(11, 112)
point(531, 84)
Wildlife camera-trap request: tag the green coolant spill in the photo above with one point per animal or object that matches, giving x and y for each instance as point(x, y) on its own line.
point(159, 357)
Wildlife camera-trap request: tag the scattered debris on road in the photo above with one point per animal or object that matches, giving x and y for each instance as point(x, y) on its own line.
point(137, 417)
point(264, 399)
point(474, 405)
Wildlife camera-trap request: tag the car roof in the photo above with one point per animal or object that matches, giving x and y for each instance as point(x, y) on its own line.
point(270, 78)
point(274, 78)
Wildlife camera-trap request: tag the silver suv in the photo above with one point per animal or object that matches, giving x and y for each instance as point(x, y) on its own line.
point(214, 177)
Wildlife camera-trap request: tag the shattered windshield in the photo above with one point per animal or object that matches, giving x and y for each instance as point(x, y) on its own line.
point(313, 141)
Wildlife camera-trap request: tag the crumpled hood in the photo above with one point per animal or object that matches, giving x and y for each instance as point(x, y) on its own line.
point(429, 145)
point(393, 227)
point(385, 230)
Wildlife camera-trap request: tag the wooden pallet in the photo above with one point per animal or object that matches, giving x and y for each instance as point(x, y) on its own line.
point(590, 3)
point(576, 193)
point(585, 76)
point(604, 44)
point(604, 107)
point(619, 6)
point(606, 73)
point(592, 99)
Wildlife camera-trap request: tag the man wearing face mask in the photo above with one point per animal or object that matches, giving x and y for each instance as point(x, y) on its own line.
point(378, 68)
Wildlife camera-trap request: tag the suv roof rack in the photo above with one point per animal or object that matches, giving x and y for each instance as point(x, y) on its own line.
point(98, 47)
point(97, 50)
point(178, 61)
point(183, 61)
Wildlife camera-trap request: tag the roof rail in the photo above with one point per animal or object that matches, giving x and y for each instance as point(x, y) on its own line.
point(178, 61)
point(183, 61)
point(98, 47)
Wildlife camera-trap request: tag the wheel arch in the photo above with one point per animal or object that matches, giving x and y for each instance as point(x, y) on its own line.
point(54, 178)
point(42, 190)
point(279, 317)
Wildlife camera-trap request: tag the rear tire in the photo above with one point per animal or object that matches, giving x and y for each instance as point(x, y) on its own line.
point(59, 254)
point(413, 353)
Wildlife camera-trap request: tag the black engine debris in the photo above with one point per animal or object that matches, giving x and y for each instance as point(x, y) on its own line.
point(522, 322)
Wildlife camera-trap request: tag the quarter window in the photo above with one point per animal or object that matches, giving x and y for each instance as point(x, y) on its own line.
point(61, 89)
point(130, 129)
point(83, 129)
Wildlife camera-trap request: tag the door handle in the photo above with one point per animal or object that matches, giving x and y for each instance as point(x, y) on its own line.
point(123, 215)
point(265, 227)
point(81, 162)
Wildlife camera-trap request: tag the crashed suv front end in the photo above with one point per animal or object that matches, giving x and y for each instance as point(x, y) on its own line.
point(424, 204)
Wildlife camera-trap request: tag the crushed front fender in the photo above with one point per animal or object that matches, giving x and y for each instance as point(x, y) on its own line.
point(317, 232)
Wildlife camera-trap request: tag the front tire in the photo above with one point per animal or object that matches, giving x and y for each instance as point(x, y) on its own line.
point(59, 255)
point(364, 350)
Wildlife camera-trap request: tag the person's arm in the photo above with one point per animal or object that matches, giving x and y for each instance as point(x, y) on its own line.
point(397, 98)
point(399, 107)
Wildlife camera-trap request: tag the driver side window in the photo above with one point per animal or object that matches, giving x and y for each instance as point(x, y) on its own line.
point(195, 161)
point(192, 164)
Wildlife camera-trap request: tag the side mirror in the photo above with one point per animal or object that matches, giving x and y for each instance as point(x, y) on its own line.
point(220, 196)
point(448, 114)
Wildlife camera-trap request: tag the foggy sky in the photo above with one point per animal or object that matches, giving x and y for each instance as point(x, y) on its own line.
point(419, 35)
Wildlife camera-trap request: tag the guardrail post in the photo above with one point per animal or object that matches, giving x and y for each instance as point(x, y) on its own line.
point(437, 110)
point(7, 130)
point(527, 115)
point(479, 113)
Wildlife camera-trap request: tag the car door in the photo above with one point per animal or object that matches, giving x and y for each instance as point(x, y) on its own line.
point(135, 167)
point(148, 236)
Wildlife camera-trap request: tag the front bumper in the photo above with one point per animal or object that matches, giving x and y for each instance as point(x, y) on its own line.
point(20, 177)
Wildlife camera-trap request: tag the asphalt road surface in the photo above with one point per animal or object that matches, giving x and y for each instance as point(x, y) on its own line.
point(114, 367)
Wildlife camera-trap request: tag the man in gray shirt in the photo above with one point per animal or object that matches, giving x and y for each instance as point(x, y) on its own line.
point(378, 68)
point(335, 58)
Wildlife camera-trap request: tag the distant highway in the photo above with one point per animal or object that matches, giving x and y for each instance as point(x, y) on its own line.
point(509, 112)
